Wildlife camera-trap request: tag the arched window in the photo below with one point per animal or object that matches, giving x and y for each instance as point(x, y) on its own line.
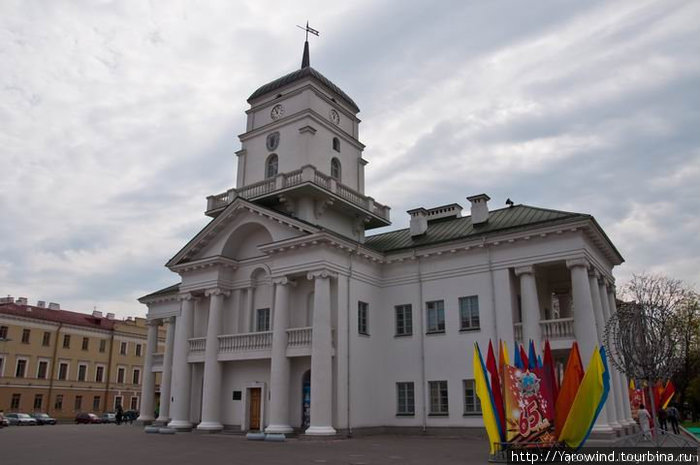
point(336, 144)
point(335, 168)
point(271, 166)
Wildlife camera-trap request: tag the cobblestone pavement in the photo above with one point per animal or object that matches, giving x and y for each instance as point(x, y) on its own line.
point(130, 445)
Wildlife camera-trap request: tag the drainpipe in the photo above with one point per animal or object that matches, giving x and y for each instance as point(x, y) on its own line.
point(347, 351)
point(53, 365)
point(424, 419)
point(109, 367)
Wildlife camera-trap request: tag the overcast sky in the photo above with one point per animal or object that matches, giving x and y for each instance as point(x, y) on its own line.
point(118, 118)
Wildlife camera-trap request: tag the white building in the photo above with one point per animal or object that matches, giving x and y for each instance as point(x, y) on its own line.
point(287, 317)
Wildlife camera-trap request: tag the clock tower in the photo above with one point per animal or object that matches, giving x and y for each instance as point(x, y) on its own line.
point(301, 155)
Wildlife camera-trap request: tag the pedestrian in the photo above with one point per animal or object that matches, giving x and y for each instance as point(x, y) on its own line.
point(662, 416)
point(120, 414)
point(644, 419)
point(674, 416)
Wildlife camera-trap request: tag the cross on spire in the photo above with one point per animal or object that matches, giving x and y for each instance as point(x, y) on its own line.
point(305, 60)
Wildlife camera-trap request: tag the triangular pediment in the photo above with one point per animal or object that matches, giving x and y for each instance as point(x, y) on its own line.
point(247, 221)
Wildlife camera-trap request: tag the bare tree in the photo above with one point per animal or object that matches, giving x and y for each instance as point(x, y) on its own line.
point(660, 296)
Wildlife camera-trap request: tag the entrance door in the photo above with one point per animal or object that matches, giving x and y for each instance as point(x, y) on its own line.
point(255, 409)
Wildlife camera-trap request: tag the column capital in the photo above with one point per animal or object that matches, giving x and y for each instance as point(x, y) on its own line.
point(283, 281)
point(527, 269)
point(186, 296)
point(169, 320)
point(154, 322)
point(217, 291)
point(610, 285)
point(594, 273)
point(322, 274)
point(573, 263)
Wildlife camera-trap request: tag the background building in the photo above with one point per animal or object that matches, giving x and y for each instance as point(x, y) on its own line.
point(64, 362)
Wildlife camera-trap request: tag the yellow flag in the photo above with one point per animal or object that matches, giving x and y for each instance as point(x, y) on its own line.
point(487, 410)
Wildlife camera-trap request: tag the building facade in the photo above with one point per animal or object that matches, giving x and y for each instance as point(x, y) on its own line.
point(62, 362)
point(289, 317)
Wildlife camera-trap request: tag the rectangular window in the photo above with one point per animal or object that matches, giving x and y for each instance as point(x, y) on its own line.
point(436, 316)
point(469, 312)
point(42, 370)
point(38, 401)
point(2, 366)
point(472, 405)
point(3, 332)
point(96, 403)
point(136, 377)
point(138, 350)
point(404, 320)
point(134, 403)
point(58, 405)
point(62, 371)
point(46, 340)
point(86, 343)
point(363, 318)
point(16, 399)
point(99, 374)
point(82, 372)
point(78, 403)
point(120, 375)
point(262, 319)
point(438, 397)
point(66, 341)
point(21, 369)
point(25, 336)
point(405, 399)
point(103, 345)
point(122, 348)
point(117, 401)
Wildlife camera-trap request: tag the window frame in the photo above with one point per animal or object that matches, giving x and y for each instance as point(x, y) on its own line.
point(123, 347)
point(65, 375)
point(121, 375)
point(85, 345)
point(16, 401)
point(96, 402)
point(263, 315)
point(78, 403)
point(336, 144)
point(272, 163)
point(66, 341)
point(26, 335)
point(465, 306)
point(4, 331)
point(99, 370)
point(436, 398)
point(362, 318)
point(103, 345)
point(85, 373)
point(470, 385)
point(58, 402)
point(118, 400)
point(40, 398)
point(25, 366)
point(46, 339)
point(404, 310)
point(439, 310)
point(138, 351)
point(39, 363)
point(408, 409)
point(136, 376)
point(134, 403)
point(336, 169)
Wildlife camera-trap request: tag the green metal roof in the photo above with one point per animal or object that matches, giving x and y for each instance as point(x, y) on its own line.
point(445, 230)
point(297, 76)
point(165, 291)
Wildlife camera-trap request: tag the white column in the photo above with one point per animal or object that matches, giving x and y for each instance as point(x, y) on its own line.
point(615, 381)
point(235, 306)
point(610, 403)
point(530, 305)
point(624, 383)
point(149, 379)
point(279, 365)
point(247, 310)
point(164, 411)
point(321, 357)
point(181, 379)
point(584, 323)
point(211, 391)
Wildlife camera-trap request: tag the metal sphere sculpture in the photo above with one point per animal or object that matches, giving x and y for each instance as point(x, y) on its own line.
point(642, 345)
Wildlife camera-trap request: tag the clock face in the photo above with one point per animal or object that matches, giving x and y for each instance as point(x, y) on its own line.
point(277, 112)
point(334, 116)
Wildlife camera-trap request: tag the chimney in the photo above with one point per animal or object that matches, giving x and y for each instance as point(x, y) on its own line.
point(97, 314)
point(480, 208)
point(54, 306)
point(110, 316)
point(419, 221)
point(21, 300)
point(41, 303)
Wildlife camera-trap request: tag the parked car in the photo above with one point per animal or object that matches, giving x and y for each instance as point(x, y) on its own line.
point(108, 418)
point(44, 419)
point(3, 421)
point(130, 416)
point(20, 419)
point(87, 418)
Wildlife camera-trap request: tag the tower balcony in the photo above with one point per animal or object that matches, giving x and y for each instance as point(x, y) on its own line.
point(307, 181)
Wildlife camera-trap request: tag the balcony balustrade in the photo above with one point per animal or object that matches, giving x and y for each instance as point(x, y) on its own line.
point(299, 337)
point(561, 328)
point(197, 344)
point(245, 342)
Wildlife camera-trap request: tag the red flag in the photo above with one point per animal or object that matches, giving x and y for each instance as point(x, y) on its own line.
point(573, 374)
point(549, 368)
point(669, 391)
point(496, 387)
point(523, 357)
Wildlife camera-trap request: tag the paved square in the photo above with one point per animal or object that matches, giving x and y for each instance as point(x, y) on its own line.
point(129, 445)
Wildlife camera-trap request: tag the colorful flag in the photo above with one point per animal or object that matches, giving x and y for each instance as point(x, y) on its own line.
point(488, 411)
point(528, 413)
point(502, 357)
point(523, 357)
point(496, 389)
point(588, 402)
point(573, 374)
point(667, 395)
point(532, 356)
point(517, 360)
point(548, 365)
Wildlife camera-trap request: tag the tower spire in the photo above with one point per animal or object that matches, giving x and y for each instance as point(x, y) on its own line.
point(305, 60)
